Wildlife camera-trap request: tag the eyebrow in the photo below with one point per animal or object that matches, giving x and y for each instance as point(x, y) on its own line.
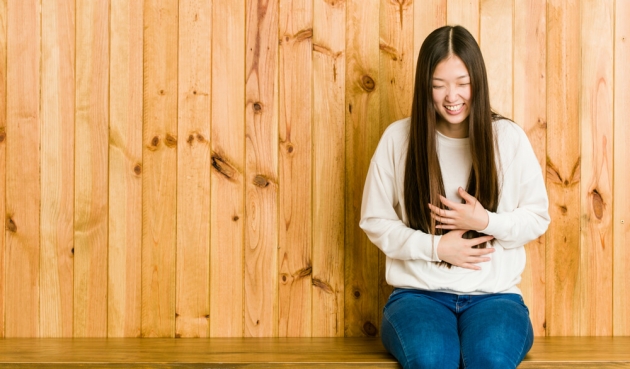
point(460, 77)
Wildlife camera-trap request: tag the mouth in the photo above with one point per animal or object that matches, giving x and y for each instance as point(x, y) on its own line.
point(453, 108)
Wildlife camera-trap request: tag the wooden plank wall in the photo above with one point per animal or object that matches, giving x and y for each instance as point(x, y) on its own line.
point(194, 168)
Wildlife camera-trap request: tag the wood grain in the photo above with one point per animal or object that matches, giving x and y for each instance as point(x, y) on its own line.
point(193, 170)
point(530, 112)
point(464, 13)
point(91, 169)
point(261, 155)
point(397, 63)
point(496, 41)
point(295, 220)
point(596, 188)
point(329, 86)
point(621, 200)
point(428, 15)
point(125, 170)
point(563, 167)
point(3, 152)
point(363, 130)
point(23, 193)
point(228, 166)
point(547, 352)
point(397, 59)
point(159, 184)
point(57, 168)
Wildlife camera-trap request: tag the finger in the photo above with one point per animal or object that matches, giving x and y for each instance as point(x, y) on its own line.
point(466, 196)
point(440, 219)
point(470, 266)
point(445, 221)
point(446, 226)
point(477, 260)
point(448, 202)
point(445, 213)
point(437, 211)
point(479, 240)
point(481, 252)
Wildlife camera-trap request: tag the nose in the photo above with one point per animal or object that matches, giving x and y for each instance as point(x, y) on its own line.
point(451, 94)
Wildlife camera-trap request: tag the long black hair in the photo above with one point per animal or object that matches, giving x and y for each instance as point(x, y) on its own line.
point(423, 177)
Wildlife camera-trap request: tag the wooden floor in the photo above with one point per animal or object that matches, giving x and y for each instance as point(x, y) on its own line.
point(556, 352)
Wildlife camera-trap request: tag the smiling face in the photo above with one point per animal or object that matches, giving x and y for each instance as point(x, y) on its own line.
point(451, 97)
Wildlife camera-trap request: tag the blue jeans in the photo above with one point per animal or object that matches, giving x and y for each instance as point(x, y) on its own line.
point(425, 329)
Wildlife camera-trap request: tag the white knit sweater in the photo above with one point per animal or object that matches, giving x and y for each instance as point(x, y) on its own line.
point(522, 214)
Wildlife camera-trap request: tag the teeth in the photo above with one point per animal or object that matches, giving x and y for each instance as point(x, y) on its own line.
point(453, 107)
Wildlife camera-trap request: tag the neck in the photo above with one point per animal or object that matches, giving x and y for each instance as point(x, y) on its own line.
point(453, 130)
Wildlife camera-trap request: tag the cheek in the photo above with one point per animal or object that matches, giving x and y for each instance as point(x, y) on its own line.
point(467, 94)
point(436, 99)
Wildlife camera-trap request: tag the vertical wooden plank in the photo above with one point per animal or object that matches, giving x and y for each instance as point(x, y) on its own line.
point(464, 13)
point(23, 169)
point(596, 115)
point(295, 223)
point(159, 179)
point(427, 15)
point(91, 167)
point(621, 216)
point(3, 152)
point(228, 163)
point(125, 170)
point(329, 76)
point(57, 170)
point(530, 112)
point(363, 131)
point(397, 62)
point(261, 152)
point(563, 166)
point(193, 170)
point(396, 59)
point(496, 38)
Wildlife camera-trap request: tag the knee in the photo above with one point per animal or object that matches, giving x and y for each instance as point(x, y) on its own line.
point(418, 353)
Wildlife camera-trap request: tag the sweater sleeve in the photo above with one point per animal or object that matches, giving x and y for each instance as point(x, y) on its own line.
point(384, 227)
point(529, 217)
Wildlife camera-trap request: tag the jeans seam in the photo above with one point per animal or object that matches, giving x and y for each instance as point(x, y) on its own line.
point(402, 344)
point(520, 354)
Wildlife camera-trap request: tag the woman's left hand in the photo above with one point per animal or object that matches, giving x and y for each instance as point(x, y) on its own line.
point(470, 216)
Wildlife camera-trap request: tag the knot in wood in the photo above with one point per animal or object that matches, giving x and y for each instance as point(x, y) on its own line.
point(11, 226)
point(368, 83)
point(598, 204)
point(155, 141)
point(370, 329)
point(356, 294)
point(261, 181)
point(290, 148)
point(137, 169)
point(170, 141)
point(3, 136)
point(257, 107)
point(162, 92)
point(223, 167)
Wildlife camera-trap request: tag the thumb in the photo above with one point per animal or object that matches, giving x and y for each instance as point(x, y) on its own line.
point(465, 195)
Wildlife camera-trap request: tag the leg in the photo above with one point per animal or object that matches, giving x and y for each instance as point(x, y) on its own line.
point(420, 332)
point(495, 332)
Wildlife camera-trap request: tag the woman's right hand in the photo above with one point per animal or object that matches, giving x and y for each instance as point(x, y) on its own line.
point(459, 251)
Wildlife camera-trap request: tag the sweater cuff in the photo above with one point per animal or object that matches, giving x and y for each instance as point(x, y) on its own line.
point(493, 224)
point(436, 242)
